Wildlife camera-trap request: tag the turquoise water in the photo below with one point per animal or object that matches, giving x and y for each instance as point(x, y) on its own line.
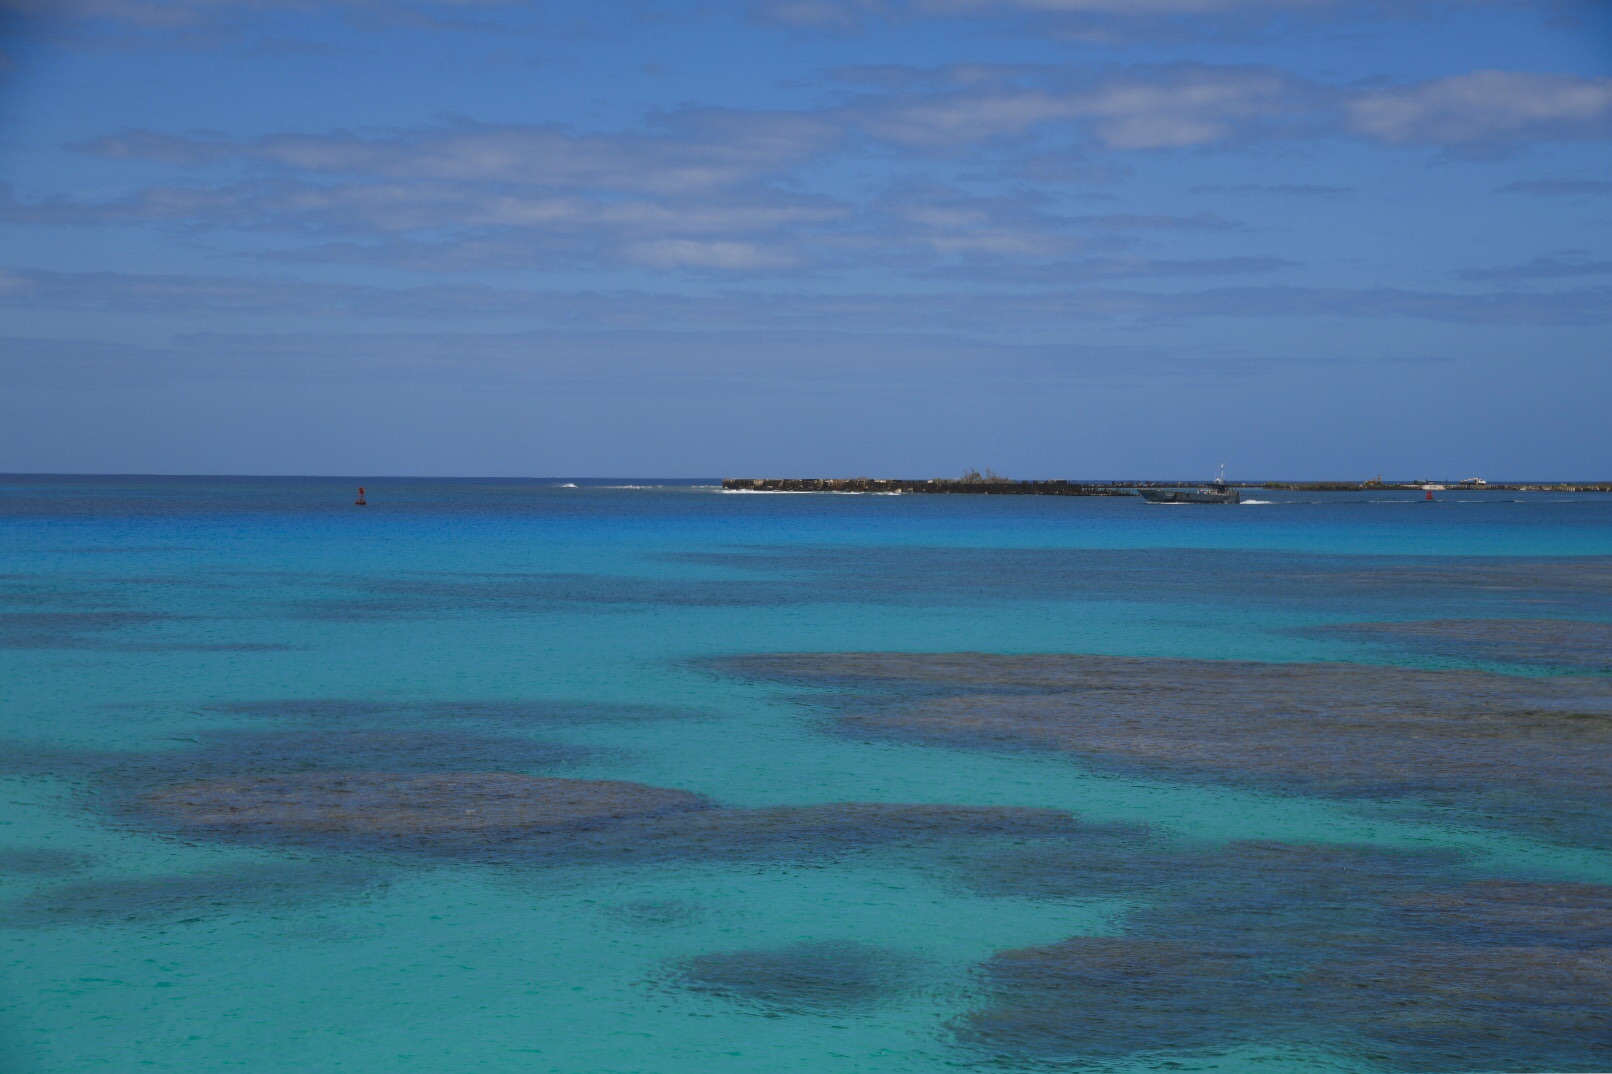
point(187, 619)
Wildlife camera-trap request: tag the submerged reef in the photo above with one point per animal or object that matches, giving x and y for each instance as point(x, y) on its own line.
point(216, 753)
point(1527, 752)
point(540, 819)
point(321, 787)
point(465, 781)
point(1398, 960)
point(1416, 1007)
point(1096, 998)
point(112, 631)
point(447, 716)
point(308, 788)
point(1333, 586)
point(821, 977)
point(104, 617)
point(39, 861)
point(340, 734)
point(1388, 958)
point(1518, 912)
point(184, 897)
point(66, 629)
point(1570, 644)
point(444, 808)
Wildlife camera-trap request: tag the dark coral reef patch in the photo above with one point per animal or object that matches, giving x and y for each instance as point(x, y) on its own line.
point(113, 631)
point(1097, 861)
point(925, 576)
point(66, 629)
point(813, 977)
point(1435, 1007)
point(230, 752)
point(448, 594)
point(1569, 644)
point(183, 897)
point(342, 734)
point(437, 778)
point(39, 861)
point(1365, 586)
point(1525, 751)
point(1094, 998)
point(336, 712)
point(547, 820)
point(1515, 912)
point(444, 809)
point(838, 827)
point(1417, 1007)
point(406, 750)
point(1387, 958)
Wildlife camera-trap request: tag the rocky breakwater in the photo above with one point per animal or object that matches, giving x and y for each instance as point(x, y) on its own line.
point(935, 485)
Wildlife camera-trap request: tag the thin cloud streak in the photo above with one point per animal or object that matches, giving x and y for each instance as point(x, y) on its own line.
point(1568, 264)
point(1487, 109)
point(967, 310)
point(715, 190)
point(1096, 20)
point(686, 152)
point(1556, 188)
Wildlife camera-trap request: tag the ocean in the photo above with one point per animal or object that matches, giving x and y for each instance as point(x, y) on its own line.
point(643, 776)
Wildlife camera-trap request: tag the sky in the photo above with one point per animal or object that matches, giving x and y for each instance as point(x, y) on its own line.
point(1056, 238)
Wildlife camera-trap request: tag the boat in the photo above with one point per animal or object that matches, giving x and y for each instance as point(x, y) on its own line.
point(1217, 491)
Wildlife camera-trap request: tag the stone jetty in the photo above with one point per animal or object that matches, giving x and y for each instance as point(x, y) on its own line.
point(936, 485)
point(1005, 487)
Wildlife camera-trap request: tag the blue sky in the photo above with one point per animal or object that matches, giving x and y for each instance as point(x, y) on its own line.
point(895, 237)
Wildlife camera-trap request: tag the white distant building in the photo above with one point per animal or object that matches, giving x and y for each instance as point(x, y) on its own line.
point(1474, 481)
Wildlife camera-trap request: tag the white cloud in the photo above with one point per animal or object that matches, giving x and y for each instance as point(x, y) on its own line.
point(1095, 19)
point(725, 189)
point(180, 14)
point(692, 190)
point(686, 151)
point(1112, 7)
point(693, 151)
point(1486, 107)
point(1143, 108)
point(691, 253)
point(1557, 188)
point(1194, 108)
point(1190, 105)
point(500, 226)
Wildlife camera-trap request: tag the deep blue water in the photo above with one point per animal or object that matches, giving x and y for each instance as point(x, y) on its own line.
point(170, 630)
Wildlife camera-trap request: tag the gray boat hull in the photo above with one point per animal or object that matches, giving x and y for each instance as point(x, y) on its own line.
point(1204, 495)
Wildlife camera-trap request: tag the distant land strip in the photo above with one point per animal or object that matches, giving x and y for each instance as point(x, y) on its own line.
point(1005, 487)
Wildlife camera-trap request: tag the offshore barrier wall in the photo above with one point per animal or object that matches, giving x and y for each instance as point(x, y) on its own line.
point(874, 484)
point(1110, 488)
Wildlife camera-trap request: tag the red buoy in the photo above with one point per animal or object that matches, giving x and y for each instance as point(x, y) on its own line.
point(360, 501)
point(1429, 493)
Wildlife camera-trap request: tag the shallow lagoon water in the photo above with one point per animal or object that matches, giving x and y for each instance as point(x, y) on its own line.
point(158, 631)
